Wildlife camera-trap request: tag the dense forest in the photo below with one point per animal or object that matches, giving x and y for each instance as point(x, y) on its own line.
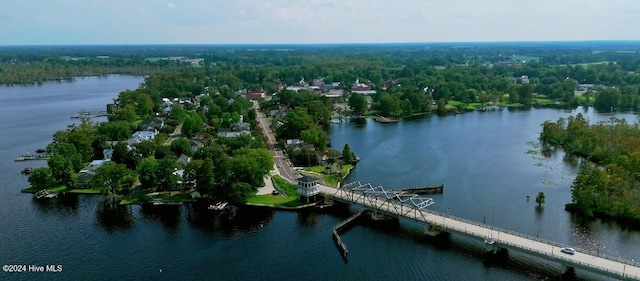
point(608, 184)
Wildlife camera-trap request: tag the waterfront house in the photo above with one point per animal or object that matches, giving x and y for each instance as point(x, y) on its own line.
point(87, 173)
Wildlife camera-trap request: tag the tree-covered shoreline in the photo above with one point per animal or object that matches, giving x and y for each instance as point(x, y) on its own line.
point(608, 184)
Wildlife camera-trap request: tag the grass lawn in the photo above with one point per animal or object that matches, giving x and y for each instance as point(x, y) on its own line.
point(330, 179)
point(31, 189)
point(278, 200)
point(85, 191)
point(315, 169)
point(180, 197)
point(543, 101)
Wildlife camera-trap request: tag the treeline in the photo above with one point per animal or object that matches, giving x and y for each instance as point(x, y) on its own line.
point(66, 69)
point(608, 184)
point(465, 73)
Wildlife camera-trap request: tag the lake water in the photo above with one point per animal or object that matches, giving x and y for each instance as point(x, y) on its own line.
point(486, 160)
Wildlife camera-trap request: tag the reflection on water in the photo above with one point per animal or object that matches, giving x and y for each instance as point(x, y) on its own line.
point(64, 204)
point(200, 217)
point(246, 219)
point(113, 217)
point(167, 215)
point(572, 160)
point(307, 218)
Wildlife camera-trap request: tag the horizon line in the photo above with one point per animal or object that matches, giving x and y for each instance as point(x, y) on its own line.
point(327, 44)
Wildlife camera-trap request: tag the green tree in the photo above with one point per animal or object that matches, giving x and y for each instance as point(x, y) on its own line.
point(205, 178)
point(442, 106)
point(388, 105)
point(607, 100)
point(540, 198)
point(320, 112)
point(62, 170)
point(181, 146)
point(115, 130)
point(167, 180)
point(111, 178)
point(41, 178)
point(148, 172)
point(123, 154)
point(315, 136)
point(251, 165)
point(240, 192)
point(127, 113)
point(177, 112)
point(358, 104)
point(347, 155)
point(191, 125)
point(293, 124)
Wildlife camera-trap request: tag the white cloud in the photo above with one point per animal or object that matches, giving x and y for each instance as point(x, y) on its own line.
point(314, 21)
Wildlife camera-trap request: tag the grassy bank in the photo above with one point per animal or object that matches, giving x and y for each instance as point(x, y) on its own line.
point(289, 189)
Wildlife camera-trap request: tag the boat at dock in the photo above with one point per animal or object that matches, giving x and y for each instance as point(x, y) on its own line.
point(26, 171)
point(44, 194)
point(218, 206)
point(31, 156)
point(383, 119)
point(89, 114)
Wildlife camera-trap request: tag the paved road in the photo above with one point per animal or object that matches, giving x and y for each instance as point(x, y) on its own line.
point(283, 167)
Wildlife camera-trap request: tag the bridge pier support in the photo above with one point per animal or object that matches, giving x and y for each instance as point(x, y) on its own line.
point(433, 230)
point(496, 255)
point(376, 216)
point(569, 274)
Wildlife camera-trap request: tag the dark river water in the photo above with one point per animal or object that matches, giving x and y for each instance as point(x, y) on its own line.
point(488, 162)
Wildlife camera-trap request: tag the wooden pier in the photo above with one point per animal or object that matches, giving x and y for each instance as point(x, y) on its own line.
point(429, 189)
point(344, 226)
point(44, 194)
point(31, 156)
point(90, 114)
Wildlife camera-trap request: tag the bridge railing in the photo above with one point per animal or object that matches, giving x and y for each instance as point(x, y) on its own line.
point(498, 229)
point(537, 239)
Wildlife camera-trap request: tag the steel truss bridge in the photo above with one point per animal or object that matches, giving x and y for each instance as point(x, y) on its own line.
point(410, 206)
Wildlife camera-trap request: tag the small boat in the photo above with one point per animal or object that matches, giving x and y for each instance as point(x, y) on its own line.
point(383, 119)
point(218, 206)
point(41, 150)
point(45, 194)
point(26, 171)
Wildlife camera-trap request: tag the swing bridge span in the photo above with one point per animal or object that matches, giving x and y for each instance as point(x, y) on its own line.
point(411, 206)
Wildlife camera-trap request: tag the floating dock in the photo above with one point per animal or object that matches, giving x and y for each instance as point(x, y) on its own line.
point(90, 114)
point(424, 189)
point(33, 156)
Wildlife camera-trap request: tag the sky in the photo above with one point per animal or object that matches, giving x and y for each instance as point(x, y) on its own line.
point(131, 22)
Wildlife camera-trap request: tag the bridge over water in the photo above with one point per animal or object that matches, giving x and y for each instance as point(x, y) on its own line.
point(413, 207)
